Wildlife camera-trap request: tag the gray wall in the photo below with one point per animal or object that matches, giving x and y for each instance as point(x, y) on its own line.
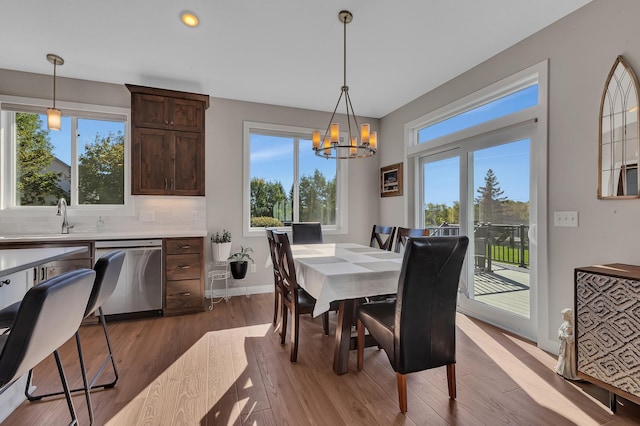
point(224, 144)
point(581, 49)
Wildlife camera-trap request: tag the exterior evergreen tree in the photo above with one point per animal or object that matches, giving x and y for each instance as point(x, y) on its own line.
point(490, 199)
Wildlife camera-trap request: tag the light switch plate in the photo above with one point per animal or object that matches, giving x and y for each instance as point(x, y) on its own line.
point(569, 219)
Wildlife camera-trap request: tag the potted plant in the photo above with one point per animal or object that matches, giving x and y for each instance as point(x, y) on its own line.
point(221, 245)
point(238, 264)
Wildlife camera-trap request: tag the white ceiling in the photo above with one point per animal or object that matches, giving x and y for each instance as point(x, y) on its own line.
point(282, 52)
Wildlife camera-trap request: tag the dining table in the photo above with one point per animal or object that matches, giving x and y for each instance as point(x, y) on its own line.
point(345, 272)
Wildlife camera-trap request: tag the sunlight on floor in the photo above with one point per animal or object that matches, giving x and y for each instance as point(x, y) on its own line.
point(200, 385)
point(537, 388)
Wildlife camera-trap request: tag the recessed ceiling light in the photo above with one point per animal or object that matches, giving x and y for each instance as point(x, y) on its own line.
point(189, 19)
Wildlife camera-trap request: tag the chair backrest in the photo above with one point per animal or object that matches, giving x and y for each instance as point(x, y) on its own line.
point(49, 315)
point(286, 264)
point(274, 256)
point(306, 232)
point(382, 237)
point(424, 334)
point(107, 269)
point(404, 233)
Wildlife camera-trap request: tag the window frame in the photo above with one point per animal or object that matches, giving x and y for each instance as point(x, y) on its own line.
point(342, 174)
point(69, 109)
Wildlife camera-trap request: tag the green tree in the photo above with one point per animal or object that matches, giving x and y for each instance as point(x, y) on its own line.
point(101, 171)
point(317, 198)
point(36, 186)
point(264, 196)
point(435, 214)
point(490, 199)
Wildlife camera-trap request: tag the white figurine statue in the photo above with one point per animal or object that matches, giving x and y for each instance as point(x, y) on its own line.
point(566, 365)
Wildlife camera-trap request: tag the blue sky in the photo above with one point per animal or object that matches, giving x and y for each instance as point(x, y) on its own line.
point(272, 159)
point(87, 130)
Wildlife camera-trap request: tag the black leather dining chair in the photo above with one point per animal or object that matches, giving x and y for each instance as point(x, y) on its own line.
point(417, 331)
point(294, 298)
point(402, 234)
point(49, 315)
point(306, 232)
point(107, 270)
point(382, 237)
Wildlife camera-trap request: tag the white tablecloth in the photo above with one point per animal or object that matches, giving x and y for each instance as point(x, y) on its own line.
point(345, 271)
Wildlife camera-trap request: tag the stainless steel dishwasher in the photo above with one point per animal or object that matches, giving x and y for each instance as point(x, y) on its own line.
point(139, 288)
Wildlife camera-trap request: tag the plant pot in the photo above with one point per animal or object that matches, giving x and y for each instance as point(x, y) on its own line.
point(238, 269)
point(220, 251)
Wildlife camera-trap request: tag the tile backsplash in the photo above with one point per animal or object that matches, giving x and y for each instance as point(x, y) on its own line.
point(148, 214)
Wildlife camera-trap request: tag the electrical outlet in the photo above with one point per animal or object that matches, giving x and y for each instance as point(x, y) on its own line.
point(253, 268)
point(569, 219)
point(194, 215)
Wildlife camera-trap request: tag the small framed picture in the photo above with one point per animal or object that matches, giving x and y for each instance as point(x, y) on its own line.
point(391, 180)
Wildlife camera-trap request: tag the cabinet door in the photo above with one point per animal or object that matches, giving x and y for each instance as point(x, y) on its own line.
point(188, 165)
point(150, 111)
point(186, 115)
point(150, 161)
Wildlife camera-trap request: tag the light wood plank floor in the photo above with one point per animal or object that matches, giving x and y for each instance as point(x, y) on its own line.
point(226, 366)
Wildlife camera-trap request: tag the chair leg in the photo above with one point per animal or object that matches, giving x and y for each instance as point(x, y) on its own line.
point(402, 391)
point(295, 329)
point(67, 393)
point(87, 386)
point(275, 306)
point(451, 380)
point(110, 357)
point(360, 346)
point(325, 323)
point(283, 327)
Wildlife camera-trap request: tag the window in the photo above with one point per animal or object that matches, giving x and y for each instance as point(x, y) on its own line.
point(287, 182)
point(84, 162)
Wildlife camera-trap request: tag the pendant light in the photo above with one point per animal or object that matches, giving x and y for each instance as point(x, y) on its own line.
point(53, 114)
point(361, 142)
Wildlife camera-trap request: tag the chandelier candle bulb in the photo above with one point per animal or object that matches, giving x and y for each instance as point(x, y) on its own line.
point(334, 132)
point(354, 143)
point(315, 138)
point(373, 140)
point(364, 133)
point(327, 145)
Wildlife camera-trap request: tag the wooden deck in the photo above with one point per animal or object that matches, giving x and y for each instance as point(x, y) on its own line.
point(505, 287)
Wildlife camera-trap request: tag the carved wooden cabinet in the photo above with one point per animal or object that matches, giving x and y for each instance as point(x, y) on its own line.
point(167, 150)
point(184, 275)
point(607, 318)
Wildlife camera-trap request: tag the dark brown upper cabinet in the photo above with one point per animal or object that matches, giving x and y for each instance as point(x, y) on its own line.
point(167, 150)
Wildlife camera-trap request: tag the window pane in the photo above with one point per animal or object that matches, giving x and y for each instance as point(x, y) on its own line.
point(317, 177)
point(501, 107)
point(271, 173)
point(100, 162)
point(43, 173)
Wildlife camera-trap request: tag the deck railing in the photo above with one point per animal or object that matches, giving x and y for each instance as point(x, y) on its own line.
point(493, 242)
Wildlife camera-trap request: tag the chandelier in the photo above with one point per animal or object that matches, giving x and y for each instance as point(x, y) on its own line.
point(362, 142)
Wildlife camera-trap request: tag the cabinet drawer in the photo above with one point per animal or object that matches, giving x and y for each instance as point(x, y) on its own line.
point(183, 266)
point(184, 295)
point(183, 245)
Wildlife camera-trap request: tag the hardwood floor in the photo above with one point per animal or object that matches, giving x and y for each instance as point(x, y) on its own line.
point(226, 366)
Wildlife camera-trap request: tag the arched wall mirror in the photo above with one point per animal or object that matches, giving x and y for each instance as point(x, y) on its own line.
point(618, 172)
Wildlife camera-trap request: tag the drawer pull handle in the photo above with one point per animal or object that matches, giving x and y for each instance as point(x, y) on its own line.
point(186, 246)
point(184, 266)
point(5, 282)
point(186, 293)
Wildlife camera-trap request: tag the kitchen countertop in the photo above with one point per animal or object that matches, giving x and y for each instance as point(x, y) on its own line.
point(97, 236)
point(15, 260)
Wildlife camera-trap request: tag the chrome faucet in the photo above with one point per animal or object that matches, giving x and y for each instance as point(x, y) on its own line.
point(62, 211)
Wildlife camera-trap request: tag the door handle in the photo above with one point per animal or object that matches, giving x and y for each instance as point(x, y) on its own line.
point(5, 282)
point(184, 266)
point(186, 293)
point(186, 246)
